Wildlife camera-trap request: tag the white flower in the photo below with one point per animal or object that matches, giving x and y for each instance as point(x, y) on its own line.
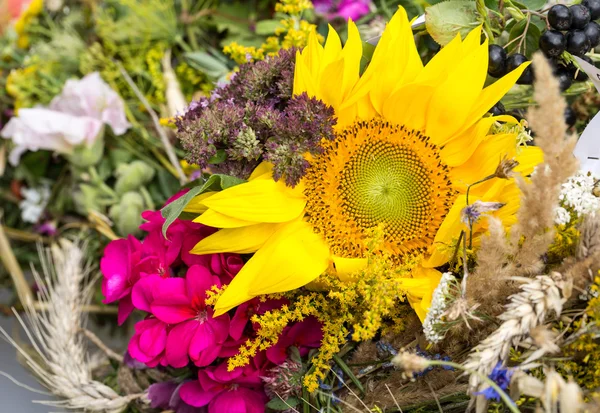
point(39, 128)
point(75, 117)
point(34, 203)
point(92, 97)
point(561, 216)
point(439, 304)
point(577, 196)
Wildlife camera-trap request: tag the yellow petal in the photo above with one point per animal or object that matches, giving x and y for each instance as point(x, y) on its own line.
point(196, 205)
point(264, 170)
point(293, 257)
point(346, 267)
point(493, 93)
point(453, 100)
point(528, 157)
point(260, 200)
point(458, 150)
point(441, 250)
point(215, 219)
point(436, 70)
point(243, 240)
point(408, 105)
point(352, 54)
point(420, 289)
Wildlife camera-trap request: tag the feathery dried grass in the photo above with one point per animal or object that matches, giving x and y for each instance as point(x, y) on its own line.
point(525, 311)
point(519, 254)
point(64, 368)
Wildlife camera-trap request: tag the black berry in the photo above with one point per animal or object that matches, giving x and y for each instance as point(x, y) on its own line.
point(581, 16)
point(577, 42)
point(593, 6)
point(497, 61)
point(570, 116)
point(592, 31)
point(515, 61)
point(498, 109)
point(559, 17)
point(565, 80)
point(553, 43)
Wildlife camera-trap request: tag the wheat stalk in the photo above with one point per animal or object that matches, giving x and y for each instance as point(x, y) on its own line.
point(526, 310)
point(61, 364)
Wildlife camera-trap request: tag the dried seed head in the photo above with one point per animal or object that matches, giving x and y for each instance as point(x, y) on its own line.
point(505, 168)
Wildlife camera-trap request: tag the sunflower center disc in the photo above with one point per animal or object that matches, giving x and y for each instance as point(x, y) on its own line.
point(374, 173)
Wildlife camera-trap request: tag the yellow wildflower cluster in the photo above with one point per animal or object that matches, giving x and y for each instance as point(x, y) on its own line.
point(33, 84)
point(154, 57)
point(294, 32)
point(34, 8)
point(584, 354)
point(565, 242)
point(369, 302)
point(293, 7)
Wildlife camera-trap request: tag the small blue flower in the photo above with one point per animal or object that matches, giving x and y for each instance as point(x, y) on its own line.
point(500, 376)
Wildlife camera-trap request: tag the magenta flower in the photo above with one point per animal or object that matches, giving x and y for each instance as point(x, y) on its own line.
point(345, 9)
point(238, 391)
point(165, 395)
point(122, 265)
point(149, 342)
point(196, 335)
point(304, 335)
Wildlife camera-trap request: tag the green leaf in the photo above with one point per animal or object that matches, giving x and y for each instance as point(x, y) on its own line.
point(349, 373)
point(533, 4)
point(214, 182)
point(210, 65)
point(492, 5)
point(219, 157)
point(295, 354)
point(279, 404)
point(528, 45)
point(445, 19)
point(267, 27)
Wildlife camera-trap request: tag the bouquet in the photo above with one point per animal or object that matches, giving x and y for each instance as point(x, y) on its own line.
point(364, 230)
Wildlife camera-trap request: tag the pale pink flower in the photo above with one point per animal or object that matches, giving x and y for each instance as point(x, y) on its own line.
point(92, 97)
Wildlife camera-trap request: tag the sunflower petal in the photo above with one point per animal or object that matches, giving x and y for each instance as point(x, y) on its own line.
point(196, 204)
point(215, 219)
point(345, 267)
point(243, 240)
point(258, 201)
point(453, 100)
point(293, 257)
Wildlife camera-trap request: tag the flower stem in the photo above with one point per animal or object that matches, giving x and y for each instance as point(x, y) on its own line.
point(505, 397)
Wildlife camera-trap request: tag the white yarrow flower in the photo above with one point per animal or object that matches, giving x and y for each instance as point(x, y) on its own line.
point(577, 196)
point(439, 305)
point(34, 203)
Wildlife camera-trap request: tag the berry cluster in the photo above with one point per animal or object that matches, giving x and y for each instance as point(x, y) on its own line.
point(573, 30)
point(500, 64)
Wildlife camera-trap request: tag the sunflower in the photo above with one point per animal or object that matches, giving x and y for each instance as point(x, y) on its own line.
point(409, 141)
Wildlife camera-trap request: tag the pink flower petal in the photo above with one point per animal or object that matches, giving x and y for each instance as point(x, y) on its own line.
point(193, 394)
point(240, 400)
point(125, 308)
point(154, 338)
point(198, 280)
point(239, 321)
point(142, 294)
point(178, 343)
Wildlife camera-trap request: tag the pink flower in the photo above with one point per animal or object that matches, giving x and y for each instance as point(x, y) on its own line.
point(304, 335)
point(238, 391)
point(165, 395)
point(149, 342)
point(196, 335)
point(91, 97)
point(122, 265)
point(345, 9)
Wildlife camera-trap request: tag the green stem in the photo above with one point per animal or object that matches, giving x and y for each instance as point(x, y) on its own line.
point(505, 398)
point(483, 13)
